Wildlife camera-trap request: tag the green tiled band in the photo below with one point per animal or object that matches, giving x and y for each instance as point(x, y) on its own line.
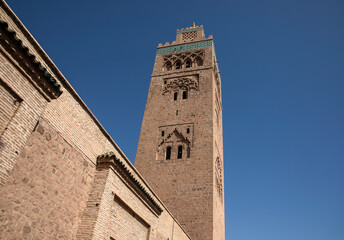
point(189, 30)
point(185, 47)
point(190, 46)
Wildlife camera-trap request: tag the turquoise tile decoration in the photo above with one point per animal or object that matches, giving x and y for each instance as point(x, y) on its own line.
point(184, 47)
point(189, 30)
point(190, 46)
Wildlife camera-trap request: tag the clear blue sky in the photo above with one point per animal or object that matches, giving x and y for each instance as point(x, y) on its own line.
point(282, 68)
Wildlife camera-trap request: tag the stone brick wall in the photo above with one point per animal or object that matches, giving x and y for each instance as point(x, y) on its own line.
point(114, 209)
point(18, 119)
point(47, 190)
point(48, 152)
point(9, 103)
point(187, 185)
point(218, 164)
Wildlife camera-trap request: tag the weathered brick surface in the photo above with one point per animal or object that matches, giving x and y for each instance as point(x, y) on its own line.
point(9, 103)
point(47, 191)
point(187, 185)
point(48, 150)
point(20, 117)
point(128, 218)
point(69, 118)
point(90, 214)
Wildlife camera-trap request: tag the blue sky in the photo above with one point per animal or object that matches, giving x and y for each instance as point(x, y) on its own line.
point(282, 69)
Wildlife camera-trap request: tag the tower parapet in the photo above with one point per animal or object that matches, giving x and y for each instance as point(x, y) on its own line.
point(188, 35)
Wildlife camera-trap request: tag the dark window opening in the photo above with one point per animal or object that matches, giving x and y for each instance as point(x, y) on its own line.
point(188, 63)
point(177, 113)
point(178, 65)
point(188, 152)
point(199, 61)
point(175, 96)
point(180, 151)
point(188, 130)
point(185, 94)
point(168, 66)
point(165, 82)
point(168, 153)
point(162, 133)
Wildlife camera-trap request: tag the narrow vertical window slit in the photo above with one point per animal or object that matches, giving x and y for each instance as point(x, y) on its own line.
point(168, 153)
point(180, 151)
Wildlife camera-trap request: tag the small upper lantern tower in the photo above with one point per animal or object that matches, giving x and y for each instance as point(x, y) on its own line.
point(180, 150)
point(190, 34)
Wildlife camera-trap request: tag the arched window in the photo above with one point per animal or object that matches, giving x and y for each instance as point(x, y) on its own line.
point(168, 153)
point(175, 96)
point(168, 66)
point(178, 65)
point(198, 61)
point(188, 63)
point(180, 151)
point(185, 94)
point(188, 152)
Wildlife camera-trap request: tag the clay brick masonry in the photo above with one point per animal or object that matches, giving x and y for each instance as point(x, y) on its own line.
point(63, 177)
point(180, 150)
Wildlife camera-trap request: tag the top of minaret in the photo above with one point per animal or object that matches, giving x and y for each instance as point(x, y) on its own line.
point(190, 34)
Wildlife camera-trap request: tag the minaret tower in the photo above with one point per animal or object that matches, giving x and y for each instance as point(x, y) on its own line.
point(180, 150)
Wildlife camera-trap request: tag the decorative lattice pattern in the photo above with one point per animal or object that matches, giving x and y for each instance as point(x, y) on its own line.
point(195, 56)
point(180, 83)
point(185, 47)
point(189, 36)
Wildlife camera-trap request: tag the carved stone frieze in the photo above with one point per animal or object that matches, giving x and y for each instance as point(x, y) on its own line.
point(185, 59)
point(180, 83)
point(174, 136)
point(178, 135)
point(184, 55)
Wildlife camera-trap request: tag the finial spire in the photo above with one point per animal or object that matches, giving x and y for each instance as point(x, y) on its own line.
point(193, 24)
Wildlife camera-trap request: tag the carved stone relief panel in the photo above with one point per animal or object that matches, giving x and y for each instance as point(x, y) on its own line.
point(185, 59)
point(174, 84)
point(179, 138)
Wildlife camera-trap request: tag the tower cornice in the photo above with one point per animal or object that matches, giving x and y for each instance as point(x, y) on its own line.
point(191, 29)
point(184, 47)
